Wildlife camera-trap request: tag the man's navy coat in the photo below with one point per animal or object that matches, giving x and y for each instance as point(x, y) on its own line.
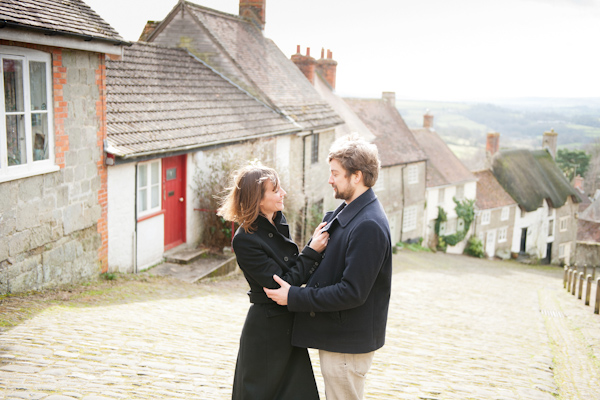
point(344, 306)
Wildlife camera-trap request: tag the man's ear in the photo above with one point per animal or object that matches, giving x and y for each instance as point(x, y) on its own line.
point(357, 176)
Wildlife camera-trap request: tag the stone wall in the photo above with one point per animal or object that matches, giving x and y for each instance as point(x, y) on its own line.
point(49, 222)
point(587, 253)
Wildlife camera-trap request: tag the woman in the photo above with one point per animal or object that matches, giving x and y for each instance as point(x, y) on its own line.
point(268, 366)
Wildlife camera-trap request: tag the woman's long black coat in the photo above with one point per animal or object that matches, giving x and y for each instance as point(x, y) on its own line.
point(268, 366)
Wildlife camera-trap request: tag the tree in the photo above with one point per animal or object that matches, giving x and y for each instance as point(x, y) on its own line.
point(572, 162)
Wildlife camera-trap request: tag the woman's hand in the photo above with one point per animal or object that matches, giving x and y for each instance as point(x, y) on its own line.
point(319, 239)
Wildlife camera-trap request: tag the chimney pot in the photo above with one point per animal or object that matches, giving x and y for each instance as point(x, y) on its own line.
point(308, 52)
point(327, 68)
point(298, 49)
point(306, 64)
point(322, 52)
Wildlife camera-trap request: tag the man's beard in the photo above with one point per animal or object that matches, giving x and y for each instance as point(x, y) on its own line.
point(343, 195)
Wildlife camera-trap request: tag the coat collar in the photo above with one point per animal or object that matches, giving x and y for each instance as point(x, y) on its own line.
point(280, 226)
point(346, 212)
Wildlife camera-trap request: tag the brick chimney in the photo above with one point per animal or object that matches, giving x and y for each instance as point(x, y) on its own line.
point(427, 120)
point(578, 183)
point(306, 63)
point(327, 67)
point(549, 142)
point(254, 10)
point(389, 98)
point(148, 29)
point(492, 144)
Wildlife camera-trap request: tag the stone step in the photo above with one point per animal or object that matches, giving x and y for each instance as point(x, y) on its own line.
point(183, 255)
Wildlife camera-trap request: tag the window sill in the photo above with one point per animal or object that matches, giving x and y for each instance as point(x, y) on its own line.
point(12, 176)
point(151, 215)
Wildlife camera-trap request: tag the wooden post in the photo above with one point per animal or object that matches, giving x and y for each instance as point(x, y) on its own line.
point(588, 290)
point(569, 278)
point(597, 303)
point(566, 276)
point(580, 293)
point(574, 286)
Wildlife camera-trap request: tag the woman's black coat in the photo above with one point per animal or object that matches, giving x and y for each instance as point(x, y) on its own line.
point(268, 366)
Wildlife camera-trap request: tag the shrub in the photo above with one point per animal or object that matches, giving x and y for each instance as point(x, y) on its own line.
point(474, 247)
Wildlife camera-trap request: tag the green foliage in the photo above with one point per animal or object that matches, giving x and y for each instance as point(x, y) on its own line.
point(465, 211)
point(417, 247)
point(474, 247)
point(572, 162)
point(108, 276)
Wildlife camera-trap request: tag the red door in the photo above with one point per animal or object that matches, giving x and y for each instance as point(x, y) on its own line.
point(173, 176)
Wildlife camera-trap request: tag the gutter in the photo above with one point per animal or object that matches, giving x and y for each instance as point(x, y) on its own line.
point(54, 32)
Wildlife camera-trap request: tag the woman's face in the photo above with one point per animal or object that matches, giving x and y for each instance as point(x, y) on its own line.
point(272, 200)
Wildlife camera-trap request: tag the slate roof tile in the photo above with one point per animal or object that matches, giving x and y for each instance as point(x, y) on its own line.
point(65, 16)
point(161, 98)
point(490, 193)
point(395, 142)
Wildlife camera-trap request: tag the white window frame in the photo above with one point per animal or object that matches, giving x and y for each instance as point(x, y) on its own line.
point(149, 185)
point(460, 192)
point(551, 228)
point(412, 174)
point(441, 195)
point(505, 214)
point(486, 217)
point(564, 223)
point(502, 234)
point(409, 219)
point(29, 167)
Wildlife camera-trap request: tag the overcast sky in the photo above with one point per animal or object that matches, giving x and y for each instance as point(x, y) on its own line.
point(425, 49)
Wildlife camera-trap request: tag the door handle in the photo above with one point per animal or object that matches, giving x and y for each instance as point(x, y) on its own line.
point(181, 199)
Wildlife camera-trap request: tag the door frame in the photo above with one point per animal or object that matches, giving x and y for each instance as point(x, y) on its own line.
point(182, 161)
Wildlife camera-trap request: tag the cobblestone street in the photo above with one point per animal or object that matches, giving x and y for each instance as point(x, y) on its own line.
point(459, 328)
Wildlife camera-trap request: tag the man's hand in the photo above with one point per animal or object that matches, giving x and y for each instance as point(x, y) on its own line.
point(279, 295)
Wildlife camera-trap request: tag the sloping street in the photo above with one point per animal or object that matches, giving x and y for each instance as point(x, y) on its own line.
point(459, 328)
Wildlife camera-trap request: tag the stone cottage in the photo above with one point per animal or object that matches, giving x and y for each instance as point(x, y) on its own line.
point(53, 193)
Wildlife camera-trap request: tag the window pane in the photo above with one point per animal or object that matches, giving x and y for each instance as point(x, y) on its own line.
point(143, 203)
point(15, 140)
point(37, 85)
point(13, 85)
point(39, 125)
point(154, 200)
point(142, 176)
point(154, 170)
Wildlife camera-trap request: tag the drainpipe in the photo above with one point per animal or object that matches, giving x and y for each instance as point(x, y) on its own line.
point(304, 188)
point(135, 197)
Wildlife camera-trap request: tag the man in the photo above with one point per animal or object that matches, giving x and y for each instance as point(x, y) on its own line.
point(342, 310)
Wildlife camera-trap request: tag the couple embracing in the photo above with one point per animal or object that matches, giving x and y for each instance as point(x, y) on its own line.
point(346, 268)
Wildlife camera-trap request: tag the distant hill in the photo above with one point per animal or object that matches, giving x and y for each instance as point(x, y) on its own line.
point(520, 122)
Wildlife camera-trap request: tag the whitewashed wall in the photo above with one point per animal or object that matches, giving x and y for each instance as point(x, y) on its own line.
point(121, 217)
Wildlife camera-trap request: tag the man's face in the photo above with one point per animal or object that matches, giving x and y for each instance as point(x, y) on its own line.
point(343, 186)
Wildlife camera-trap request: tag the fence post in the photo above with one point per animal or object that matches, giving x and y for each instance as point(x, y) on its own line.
point(597, 303)
point(574, 287)
point(588, 290)
point(580, 286)
point(569, 278)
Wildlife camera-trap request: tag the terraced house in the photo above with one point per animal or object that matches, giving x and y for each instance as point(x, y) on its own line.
point(53, 188)
point(203, 88)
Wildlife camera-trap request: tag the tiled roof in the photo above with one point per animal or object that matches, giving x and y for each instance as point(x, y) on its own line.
point(267, 68)
point(592, 212)
point(71, 17)
point(395, 142)
point(531, 177)
point(352, 123)
point(163, 99)
point(490, 193)
point(588, 231)
point(443, 167)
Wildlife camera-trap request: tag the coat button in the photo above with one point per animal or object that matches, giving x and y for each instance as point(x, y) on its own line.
point(270, 235)
point(285, 258)
point(312, 314)
point(316, 264)
point(317, 284)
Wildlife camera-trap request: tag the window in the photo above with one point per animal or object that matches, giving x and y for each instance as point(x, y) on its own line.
point(314, 154)
point(564, 223)
point(441, 195)
point(505, 214)
point(26, 129)
point(485, 217)
point(413, 174)
point(550, 227)
point(502, 234)
point(148, 188)
point(409, 219)
point(460, 192)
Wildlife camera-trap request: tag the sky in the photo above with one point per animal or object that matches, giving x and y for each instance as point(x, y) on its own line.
point(459, 50)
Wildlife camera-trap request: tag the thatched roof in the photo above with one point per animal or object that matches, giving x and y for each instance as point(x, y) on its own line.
point(531, 177)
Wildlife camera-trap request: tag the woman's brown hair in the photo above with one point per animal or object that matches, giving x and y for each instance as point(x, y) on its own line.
point(241, 203)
